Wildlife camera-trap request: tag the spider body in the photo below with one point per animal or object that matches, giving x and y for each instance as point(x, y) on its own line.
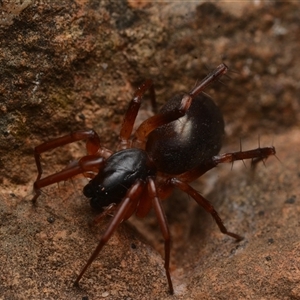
point(168, 150)
point(173, 148)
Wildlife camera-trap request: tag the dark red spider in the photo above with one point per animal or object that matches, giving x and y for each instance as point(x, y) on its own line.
point(170, 149)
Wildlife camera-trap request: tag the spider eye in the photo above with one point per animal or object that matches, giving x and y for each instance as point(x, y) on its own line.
point(88, 191)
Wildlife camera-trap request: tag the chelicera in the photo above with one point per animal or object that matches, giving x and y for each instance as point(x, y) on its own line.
point(168, 150)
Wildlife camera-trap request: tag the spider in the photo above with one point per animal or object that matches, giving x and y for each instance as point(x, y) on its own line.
point(167, 151)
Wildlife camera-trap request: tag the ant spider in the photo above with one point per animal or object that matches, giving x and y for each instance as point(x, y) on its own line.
point(168, 150)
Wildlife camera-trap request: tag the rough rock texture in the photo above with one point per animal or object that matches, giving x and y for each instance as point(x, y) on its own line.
point(67, 65)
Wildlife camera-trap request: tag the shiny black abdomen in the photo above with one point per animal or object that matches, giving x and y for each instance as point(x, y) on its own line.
point(189, 141)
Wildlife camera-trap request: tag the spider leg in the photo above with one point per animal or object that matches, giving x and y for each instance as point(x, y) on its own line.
point(162, 220)
point(107, 210)
point(85, 164)
point(210, 78)
point(93, 147)
point(205, 204)
point(130, 200)
point(164, 118)
point(132, 112)
point(256, 155)
point(93, 144)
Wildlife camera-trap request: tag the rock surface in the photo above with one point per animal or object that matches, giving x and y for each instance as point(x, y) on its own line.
point(72, 65)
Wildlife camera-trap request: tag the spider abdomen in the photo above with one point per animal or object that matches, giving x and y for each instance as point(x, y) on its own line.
point(189, 141)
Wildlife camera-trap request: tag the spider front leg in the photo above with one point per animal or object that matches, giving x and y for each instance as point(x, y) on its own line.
point(90, 163)
point(87, 163)
point(129, 203)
